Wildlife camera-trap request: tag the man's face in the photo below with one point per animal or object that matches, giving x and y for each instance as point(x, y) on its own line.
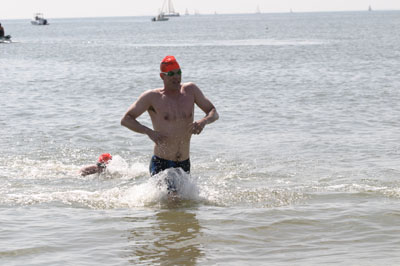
point(172, 77)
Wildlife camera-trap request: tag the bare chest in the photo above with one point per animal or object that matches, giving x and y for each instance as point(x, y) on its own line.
point(171, 109)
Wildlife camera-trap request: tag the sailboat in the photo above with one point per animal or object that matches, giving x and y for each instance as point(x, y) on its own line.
point(369, 8)
point(258, 11)
point(168, 9)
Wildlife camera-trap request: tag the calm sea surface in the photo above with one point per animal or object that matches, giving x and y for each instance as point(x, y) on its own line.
point(302, 168)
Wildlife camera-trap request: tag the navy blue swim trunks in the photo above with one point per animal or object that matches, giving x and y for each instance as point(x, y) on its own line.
point(158, 164)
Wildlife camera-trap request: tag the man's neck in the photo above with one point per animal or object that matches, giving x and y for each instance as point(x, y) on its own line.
point(172, 90)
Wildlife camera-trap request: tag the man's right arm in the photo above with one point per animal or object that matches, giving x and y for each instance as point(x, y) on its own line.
point(135, 110)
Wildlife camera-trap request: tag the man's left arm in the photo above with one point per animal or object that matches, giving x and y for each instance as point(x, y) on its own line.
point(208, 108)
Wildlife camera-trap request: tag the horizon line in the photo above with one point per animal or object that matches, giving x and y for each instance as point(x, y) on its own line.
point(216, 13)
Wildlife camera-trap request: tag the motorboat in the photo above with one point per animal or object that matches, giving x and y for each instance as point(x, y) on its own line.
point(38, 19)
point(159, 17)
point(6, 39)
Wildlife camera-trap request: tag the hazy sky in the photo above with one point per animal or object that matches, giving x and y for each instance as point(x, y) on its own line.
point(10, 9)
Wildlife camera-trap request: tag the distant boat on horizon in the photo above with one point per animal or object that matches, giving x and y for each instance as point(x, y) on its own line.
point(258, 11)
point(168, 9)
point(159, 17)
point(38, 19)
point(369, 8)
point(6, 39)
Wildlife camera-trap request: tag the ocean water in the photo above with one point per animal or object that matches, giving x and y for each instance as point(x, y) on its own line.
point(302, 168)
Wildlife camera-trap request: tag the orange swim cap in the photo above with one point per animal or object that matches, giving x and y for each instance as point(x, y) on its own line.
point(169, 63)
point(104, 158)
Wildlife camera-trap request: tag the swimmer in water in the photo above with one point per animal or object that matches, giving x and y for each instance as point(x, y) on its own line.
point(97, 168)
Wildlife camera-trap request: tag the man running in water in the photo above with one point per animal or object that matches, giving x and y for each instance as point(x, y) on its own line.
point(171, 110)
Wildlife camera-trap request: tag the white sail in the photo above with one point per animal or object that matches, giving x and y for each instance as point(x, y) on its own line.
point(168, 9)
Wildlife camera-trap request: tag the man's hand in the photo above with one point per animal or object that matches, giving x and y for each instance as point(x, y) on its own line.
point(197, 126)
point(157, 137)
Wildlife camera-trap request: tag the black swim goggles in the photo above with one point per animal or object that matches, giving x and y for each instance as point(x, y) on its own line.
point(172, 73)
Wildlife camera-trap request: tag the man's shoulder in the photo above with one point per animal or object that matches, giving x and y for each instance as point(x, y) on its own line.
point(152, 93)
point(189, 86)
point(149, 96)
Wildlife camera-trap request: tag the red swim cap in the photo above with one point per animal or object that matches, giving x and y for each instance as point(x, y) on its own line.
point(169, 63)
point(104, 158)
